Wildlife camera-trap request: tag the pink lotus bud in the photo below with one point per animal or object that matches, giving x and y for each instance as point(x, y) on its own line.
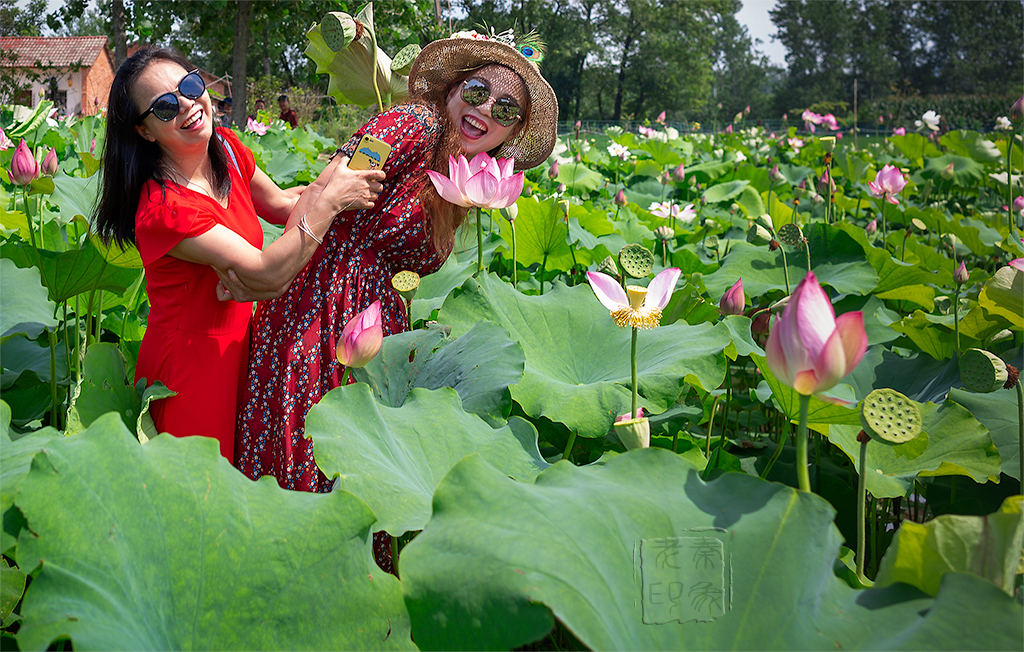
point(1017, 110)
point(961, 275)
point(361, 338)
point(627, 416)
point(620, 198)
point(899, 131)
point(553, 170)
point(809, 349)
point(746, 111)
point(679, 174)
point(660, 118)
point(728, 129)
point(948, 172)
point(784, 117)
point(872, 227)
point(759, 324)
point(560, 188)
point(527, 191)
point(665, 178)
point(775, 176)
point(578, 125)
point(733, 301)
point(50, 162)
point(881, 119)
point(826, 185)
point(1018, 203)
point(24, 169)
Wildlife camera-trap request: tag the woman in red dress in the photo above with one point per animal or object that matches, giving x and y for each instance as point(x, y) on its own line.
point(470, 94)
point(189, 201)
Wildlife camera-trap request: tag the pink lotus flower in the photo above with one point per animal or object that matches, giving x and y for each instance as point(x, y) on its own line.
point(733, 301)
point(484, 182)
point(660, 118)
point(728, 129)
point(639, 307)
point(890, 181)
point(1017, 263)
point(1018, 203)
point(810, 119)
point(899, 131)
point(746, 111)
point(795, 143)
point(24, 169)
point(829, 120)
point(256, 127)
point(50, 162)
point(5, 142)
point(361, 338)
point(785, 117)
point(809, 349)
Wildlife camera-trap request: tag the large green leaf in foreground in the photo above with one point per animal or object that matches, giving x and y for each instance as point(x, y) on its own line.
point(393, 458)
point(639, 554)
point(166, 546)
point(480, 366)
point(577, 359)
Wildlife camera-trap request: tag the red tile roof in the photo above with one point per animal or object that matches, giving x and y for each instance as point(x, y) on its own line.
point(58, 52)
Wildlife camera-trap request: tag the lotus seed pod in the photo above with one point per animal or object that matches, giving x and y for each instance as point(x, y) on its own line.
point(981, 371)
point(608, 266)
point(338, 30)
point(711, 243)
point(636, 260)
point(890, 417)
point(406, 282)
point(758, 235)
point(402, 63)
point(791, 234)
point(949, 240)
point(634, 433)
point(765, 220)
point(918, 225)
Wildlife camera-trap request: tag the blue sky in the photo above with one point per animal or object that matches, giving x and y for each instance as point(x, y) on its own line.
point(754, 16)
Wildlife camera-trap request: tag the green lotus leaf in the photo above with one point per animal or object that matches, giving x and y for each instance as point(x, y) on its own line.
point(480, 366)
point(725, 191)
point(986, 546)
point(973, 145)
point(998, 413)
point(893, 274)
point(1003, 295)
point(577, 360)
point(393, 458)
point(167, 546)
point(14, 465)
point(435, 287)
point(839, 264)
point(77, 271)
point(731, 564)
point(24, 305)
point(579, 177)
point(74, 196)
point(12, 587)
point(915, 146)
point(541, 235)
point(976, 235)
point(819, 413)
point(957, 444)
point(966, 171)
point(750, 202)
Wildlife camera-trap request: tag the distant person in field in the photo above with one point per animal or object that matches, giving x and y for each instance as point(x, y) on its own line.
point(187, 194)
point(258, 105)
point(287, 114)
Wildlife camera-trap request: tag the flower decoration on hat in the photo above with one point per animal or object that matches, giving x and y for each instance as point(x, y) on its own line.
point(529, 45)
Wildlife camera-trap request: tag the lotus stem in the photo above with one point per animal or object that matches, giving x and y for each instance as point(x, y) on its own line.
point(543, 265)
point(956, 314)
point(515, 279)
point(774, 457)
point(479, 242)
point(31, 224)
point(376, 89)
point(99, 316)
point(567, 453)
point(1020, 430)
point(807, 251)
point(632, 369)
point(861, 504)
point(801, 445)
point(345, 377)
point(711, 424)
point(1009, 186)
point(785, 267)
point(54, 413)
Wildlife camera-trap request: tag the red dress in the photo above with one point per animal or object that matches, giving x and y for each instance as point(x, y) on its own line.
point(194, 344)
point(294, 337)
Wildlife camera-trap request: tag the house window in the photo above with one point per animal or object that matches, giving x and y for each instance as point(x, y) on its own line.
point(58, 97)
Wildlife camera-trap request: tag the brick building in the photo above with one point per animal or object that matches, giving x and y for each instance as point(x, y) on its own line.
point(74, 72)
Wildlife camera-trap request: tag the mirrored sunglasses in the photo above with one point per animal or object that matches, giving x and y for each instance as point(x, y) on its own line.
point(166, 106)
point(504, 111)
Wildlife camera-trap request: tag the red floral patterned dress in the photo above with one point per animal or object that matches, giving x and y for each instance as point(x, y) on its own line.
point(292, 361)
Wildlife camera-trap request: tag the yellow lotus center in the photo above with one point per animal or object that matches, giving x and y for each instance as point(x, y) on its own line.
point(636, 295)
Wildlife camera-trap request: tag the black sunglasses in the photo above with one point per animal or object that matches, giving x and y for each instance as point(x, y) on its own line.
point(504, 111)
point(166, 106)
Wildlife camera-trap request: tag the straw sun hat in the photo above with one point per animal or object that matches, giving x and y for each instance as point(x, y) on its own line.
point(447, 61)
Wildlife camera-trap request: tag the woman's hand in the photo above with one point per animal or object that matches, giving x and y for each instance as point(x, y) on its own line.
point(349, 189)
point(231, 288)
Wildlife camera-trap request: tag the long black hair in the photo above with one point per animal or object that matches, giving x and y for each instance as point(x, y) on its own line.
point(129, 160)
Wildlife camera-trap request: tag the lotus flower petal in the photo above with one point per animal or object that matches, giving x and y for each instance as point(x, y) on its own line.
point(448, 190)
point(481, 188)
point(659, 291)
point(361, 338)
point(608, 291)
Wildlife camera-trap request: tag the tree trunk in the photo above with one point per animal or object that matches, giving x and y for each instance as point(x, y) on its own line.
point(120, 39)
point(617, 113)
point(239, 59)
